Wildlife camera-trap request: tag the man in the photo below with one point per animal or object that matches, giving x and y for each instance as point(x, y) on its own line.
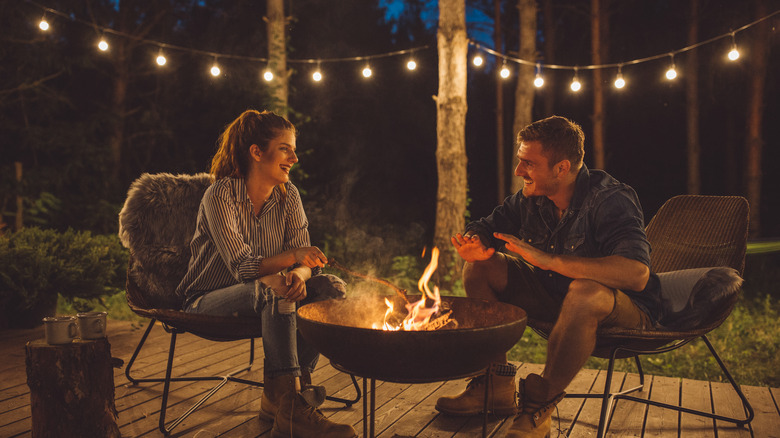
point(576, 255)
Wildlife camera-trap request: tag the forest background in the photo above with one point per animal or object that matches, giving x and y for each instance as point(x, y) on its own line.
point(71, 140)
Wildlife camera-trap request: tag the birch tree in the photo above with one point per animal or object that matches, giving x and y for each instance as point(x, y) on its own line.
point(451, 109)
point(524, 92)
point(277, 55)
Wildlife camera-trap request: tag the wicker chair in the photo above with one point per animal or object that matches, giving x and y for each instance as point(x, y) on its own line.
point(156, 224)
point(689, 235)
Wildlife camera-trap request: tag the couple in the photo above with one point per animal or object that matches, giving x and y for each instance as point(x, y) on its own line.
point(576, 254)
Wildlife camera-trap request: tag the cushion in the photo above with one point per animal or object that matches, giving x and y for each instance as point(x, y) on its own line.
point(695, 298)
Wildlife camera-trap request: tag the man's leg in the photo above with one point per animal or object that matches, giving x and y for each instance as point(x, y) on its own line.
point(573, 336)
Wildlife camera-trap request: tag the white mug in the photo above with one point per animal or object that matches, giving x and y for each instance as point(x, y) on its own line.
point(59, 329)
point(92, 325)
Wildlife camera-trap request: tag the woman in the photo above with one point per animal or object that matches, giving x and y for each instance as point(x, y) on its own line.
point(251, 256)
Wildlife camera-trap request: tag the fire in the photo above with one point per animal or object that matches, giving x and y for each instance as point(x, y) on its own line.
point(419, 315)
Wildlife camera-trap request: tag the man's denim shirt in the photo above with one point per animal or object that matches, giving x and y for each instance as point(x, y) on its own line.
point(603, 219)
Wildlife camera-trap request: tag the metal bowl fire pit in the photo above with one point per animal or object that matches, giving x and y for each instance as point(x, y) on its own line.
point(342, 331)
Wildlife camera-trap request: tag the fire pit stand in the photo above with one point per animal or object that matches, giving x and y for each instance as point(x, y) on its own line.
point(369, 407)
point(342, 331)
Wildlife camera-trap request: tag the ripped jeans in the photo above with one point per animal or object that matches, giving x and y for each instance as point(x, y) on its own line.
point(284, 349)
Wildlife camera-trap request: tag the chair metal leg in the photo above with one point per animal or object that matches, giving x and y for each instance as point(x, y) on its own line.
point(223, 380)
point(609, 399)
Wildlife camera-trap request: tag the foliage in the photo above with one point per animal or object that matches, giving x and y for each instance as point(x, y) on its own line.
point(36, 265)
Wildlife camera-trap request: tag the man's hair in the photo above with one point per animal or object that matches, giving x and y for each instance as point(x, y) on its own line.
point(561, 139)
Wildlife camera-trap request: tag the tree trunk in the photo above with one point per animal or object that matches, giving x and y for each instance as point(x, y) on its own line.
point(121, 78)
point(692, 104)
point(759, 53)
point(18, 220)
point(451, 160)
point(549, 58)
point(598, 32)
point(277, 55)
point(524, 91)
point(71, 389)
point(501, 170)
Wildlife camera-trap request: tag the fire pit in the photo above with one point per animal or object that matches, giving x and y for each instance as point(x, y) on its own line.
point(342, 331)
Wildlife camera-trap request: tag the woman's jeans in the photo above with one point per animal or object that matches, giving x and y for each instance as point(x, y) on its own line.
point(284, 349)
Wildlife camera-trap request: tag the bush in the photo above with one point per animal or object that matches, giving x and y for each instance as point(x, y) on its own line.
point(38, 265)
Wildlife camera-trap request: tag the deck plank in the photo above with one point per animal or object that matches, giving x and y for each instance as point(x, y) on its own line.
point(403, 410)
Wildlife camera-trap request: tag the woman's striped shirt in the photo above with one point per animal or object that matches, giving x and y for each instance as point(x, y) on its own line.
point(230, 241)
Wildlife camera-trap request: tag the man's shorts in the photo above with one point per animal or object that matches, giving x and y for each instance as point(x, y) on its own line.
point(525, 291)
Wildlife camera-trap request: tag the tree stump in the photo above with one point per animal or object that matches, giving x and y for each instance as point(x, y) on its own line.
point(71, 389)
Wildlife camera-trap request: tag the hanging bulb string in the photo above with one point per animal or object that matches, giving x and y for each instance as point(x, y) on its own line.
point(163, 45)
point(729, 34)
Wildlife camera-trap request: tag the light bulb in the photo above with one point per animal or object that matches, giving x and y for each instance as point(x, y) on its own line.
point(161, 60)
point(619, 81)
point(411, 65)
point(215, 71)
point(734, 53)
point(43, 25)
point(575, 85)
point(671, 73)
point(103, 45)
point(538, 81)
point(316, 76)
point(367, 72)
point(504, 72)
point(268, 76)
point(478, 60)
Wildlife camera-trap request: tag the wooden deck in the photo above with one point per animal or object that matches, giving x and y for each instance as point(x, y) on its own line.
point(403, 410)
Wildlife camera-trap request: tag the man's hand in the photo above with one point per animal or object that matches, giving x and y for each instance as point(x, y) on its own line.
point(310, 256)
point(538, 258)
point(470, 248)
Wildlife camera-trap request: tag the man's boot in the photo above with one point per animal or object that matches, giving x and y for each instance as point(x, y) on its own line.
point(273, 390)
point(536, 407)
point(501, 394)
point(296, 418)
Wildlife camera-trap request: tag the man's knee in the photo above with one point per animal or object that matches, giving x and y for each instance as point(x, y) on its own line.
point(589, 297)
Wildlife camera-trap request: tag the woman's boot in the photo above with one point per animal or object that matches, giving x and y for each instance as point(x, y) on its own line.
point(296, 418)
point(273, 390)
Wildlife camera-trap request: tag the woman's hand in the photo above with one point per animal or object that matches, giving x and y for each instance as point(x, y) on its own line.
point(309, 256)
point(291, 286)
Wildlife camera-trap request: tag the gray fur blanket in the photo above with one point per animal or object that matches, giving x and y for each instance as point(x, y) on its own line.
point(156, 224)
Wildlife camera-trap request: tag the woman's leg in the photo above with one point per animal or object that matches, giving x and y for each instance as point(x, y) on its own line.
point(279, 330)
point(318, 288)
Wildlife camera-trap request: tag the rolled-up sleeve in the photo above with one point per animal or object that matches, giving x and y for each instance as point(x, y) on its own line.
point(621, 230)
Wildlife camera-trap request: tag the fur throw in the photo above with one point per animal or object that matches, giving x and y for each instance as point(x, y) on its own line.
point(157, 223)
point(696, 298)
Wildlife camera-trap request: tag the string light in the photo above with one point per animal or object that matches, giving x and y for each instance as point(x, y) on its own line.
point(411, 64)
point(538, 80)
point(102, 44)
point(672, 72)
point(477, 60)
point(215, 70)
point(268, 75)
point(619, 81)
point(367, 71)
point(734, 53)
point(43, 24)
point(504, 71)
point(317, 75)
point(161, 58)
point(575, 86)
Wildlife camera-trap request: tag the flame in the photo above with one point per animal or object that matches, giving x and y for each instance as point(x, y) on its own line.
point(419, 315)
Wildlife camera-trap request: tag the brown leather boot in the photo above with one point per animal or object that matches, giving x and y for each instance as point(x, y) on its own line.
point(273, 390)
point(535, 417)
point(298, 419)
point(501, 394)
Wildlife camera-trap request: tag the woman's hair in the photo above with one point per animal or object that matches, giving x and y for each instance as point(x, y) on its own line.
point(251, 127)
point(561, 139)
